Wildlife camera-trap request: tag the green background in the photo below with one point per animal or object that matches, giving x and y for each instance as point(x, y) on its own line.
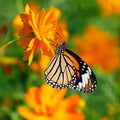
point(78, 15)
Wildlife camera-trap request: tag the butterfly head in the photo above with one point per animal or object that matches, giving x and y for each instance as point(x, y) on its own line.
point(61, 48)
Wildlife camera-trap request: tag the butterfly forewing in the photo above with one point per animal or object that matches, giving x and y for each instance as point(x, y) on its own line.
point(60, 72)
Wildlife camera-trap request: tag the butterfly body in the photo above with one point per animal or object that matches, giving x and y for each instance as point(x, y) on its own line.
point(68, 70)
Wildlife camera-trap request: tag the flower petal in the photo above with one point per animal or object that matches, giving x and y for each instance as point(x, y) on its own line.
point(29, 115)
point(71, 103)
point(63, 115)
point(54, 96)
point(32, 98)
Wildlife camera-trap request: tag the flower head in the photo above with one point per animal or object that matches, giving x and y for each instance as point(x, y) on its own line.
point(98, 48)
point(38, 30)
point(109, 6)
point(49, 104)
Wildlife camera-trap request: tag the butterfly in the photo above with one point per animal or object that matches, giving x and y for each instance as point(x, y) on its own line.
point(68, 70)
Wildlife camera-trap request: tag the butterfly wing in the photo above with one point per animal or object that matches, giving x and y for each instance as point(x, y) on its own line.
point(60, 72)
point(85, 80)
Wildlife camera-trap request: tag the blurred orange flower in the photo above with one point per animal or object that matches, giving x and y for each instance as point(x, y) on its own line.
point(109, 6)
point(97, 47)
point(39, 30)
point(49, 104)
point(112, 110)
point(104, 118)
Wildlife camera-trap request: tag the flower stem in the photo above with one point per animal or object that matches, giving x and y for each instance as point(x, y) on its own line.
point(7, 44)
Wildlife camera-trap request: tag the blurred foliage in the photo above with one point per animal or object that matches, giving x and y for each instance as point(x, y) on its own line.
point(103, 104)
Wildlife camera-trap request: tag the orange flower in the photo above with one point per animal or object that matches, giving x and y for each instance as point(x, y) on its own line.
point(63, 26)
point(109, 6)
point(48, 104)
point(98, 48)
point(38, 30)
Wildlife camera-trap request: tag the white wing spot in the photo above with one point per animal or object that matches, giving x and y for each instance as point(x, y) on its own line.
point(89, 71)
point(85, 78)
point(80, 85)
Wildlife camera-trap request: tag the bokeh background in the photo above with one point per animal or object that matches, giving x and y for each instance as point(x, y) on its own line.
point(94, 34)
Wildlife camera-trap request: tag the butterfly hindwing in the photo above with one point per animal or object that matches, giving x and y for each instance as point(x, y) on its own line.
point(86, 81)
